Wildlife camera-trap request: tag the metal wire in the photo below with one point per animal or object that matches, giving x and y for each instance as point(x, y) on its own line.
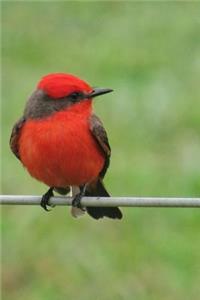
point(104, 201)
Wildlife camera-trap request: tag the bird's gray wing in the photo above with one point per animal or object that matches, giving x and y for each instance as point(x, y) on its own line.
point(101, 137)
point(14, 138)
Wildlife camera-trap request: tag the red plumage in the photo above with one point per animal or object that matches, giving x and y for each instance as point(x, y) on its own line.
point(60, 150)
point(60, 84)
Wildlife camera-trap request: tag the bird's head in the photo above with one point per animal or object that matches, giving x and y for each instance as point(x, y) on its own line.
point(59, 91)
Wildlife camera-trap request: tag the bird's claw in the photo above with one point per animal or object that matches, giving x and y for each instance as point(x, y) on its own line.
point(76, 202)
point(45, 199)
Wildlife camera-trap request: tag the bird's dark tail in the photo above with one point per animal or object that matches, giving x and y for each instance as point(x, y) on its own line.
point(97, 189)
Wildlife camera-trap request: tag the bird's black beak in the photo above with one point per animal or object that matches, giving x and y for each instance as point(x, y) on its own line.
point(98, 91)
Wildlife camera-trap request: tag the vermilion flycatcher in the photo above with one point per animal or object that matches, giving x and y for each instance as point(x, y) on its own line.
point(62, 143)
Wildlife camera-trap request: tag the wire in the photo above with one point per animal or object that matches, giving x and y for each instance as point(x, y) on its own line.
point(104, 201)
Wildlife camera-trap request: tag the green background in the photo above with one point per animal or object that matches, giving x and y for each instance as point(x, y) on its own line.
point(149, 53)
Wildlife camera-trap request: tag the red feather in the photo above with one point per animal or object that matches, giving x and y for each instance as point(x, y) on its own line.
point(60, 150)
point(58, 85)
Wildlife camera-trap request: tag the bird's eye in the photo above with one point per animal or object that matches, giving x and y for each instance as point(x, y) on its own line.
point(75, 96)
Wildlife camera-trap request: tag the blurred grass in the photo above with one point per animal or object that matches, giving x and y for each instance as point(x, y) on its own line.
point(148, 53)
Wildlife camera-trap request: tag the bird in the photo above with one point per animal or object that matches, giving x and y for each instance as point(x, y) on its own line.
point(62, 143)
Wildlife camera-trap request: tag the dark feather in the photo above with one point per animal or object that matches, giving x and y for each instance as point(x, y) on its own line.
point(62, 191)
point(14, 138)
point(98, 189)
point(100, 136)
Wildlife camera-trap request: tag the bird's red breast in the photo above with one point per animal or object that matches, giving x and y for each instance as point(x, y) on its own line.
point(60, 149)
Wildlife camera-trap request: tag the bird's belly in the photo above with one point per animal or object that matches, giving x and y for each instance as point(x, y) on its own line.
point(60, 151)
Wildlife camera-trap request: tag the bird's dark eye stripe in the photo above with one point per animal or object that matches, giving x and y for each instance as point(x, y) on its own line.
point(76, 95)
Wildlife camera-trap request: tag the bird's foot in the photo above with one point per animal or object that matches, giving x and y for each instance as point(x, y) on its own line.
point(45, 199)
point(76, 202)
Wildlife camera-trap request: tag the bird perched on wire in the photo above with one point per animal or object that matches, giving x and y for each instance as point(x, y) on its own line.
point(63, 144)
